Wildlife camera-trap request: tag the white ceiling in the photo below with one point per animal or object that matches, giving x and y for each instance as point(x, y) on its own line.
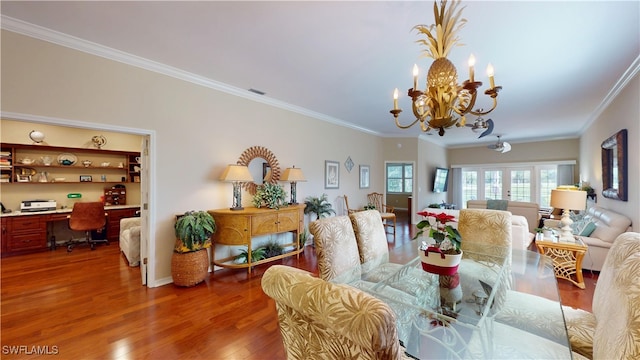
point(558, 62)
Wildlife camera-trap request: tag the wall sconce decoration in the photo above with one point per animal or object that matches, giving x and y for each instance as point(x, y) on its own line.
point(293, 175)
point(236, 174)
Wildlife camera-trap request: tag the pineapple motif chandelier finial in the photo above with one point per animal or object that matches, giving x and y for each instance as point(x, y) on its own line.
point(444, 103)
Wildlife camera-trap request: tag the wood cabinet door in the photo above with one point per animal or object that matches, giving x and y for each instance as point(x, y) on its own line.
point(288, 221)
point(263, 224)
point(231, 230)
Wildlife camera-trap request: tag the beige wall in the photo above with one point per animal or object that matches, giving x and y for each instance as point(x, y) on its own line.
point(196, 130)
point(622, 113)
point(520, 152)
point(17, 132)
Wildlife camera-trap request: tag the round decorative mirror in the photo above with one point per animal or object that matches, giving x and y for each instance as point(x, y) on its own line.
point(262, 165)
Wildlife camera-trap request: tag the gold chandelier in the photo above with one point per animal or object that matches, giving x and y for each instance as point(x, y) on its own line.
point(444, 103)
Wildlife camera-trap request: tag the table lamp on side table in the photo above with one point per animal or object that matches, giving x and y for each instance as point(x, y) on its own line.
point(236, 174)
point(293, 175)
point(568, 200)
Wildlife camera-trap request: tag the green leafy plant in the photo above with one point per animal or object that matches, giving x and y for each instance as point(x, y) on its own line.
point(272, 249)
point(256, 255)
point(270, 195)
point(369, 206)
point(302, 238)
point(319, 206)
point(193, 231)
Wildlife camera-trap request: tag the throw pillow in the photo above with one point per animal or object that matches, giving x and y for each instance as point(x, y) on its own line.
point(588, 229)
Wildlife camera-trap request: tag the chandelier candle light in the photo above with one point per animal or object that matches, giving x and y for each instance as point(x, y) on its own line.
point(568, 200)
point(236, 174)
point(444, 103)
point(293, 175)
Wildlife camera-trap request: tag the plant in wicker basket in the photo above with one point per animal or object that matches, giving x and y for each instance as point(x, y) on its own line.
point(190, 261)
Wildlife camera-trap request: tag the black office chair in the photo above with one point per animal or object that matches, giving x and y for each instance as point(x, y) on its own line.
point(87, 217)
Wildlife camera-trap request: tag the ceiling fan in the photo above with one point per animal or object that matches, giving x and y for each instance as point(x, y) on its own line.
point(481, 125)
point(500, 146)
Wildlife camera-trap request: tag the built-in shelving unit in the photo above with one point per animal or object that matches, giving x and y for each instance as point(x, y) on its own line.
point(43, 164)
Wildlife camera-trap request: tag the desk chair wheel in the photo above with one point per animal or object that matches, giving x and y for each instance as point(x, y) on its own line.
point(69, 248)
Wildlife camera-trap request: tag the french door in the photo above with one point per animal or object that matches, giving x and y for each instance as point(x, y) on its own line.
point(513, 183)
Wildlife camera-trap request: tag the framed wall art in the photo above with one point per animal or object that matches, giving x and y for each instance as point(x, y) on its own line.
point(331, 174)
point(85, 178)
point(364, 176)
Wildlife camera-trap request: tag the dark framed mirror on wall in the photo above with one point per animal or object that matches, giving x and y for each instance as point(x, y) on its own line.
point(614, 166)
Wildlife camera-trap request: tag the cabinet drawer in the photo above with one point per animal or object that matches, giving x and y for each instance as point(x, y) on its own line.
point(27, 241)
point(27, 223)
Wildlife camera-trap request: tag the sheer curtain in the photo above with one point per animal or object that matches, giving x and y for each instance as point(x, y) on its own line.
point(565, 174)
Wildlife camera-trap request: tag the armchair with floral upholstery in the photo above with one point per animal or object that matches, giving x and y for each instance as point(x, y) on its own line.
point(323, 320)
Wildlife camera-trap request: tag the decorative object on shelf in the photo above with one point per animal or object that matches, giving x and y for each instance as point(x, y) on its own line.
point(46, 160)
point(236, 174)
point(67, 159)
point(105, 164)
point(319, 206)
point(99, 141)
point(263, 154)
point(293, 175)
point(86, 163)
point(190, 261)
point(442, 256)
point(444, 103)
point(36, 136)
point(568, 200)
point(348, 164)
point(331, 174)
point(364, 176)
point(86, 178)
point(614, 167)
point(270, 195)
point(27, 161)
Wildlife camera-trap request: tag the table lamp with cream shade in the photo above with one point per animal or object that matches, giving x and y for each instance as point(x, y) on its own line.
point(568, 200)
point(293, 175)
point(236, 174)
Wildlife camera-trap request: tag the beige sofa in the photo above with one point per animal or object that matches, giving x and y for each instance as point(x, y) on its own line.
point(521, 237)
point(130, 240)
point(609, 225)
point(531, 211)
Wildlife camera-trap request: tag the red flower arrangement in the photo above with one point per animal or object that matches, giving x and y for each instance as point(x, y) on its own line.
point(446, 237)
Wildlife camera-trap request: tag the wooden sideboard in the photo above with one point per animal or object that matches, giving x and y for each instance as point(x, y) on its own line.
point(237, 227)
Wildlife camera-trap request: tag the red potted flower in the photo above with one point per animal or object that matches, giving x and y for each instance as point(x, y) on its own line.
point(441, 255)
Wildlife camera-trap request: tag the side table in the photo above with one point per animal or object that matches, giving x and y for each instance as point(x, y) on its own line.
point(567, 259)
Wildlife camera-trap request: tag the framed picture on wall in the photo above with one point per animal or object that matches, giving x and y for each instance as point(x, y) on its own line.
point(85, 178)
point(364, 176)
point(331, 174)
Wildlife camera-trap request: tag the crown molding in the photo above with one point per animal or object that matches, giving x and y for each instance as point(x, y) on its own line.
point(72, 42)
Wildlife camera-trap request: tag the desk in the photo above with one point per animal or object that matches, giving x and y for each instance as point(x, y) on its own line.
point(434, 323)
point(24, 233)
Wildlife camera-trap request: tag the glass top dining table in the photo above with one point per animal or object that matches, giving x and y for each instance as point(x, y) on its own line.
point(454, 316)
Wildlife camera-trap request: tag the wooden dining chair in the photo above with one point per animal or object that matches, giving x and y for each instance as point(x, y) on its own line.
point(346, 206)
point(386, 212)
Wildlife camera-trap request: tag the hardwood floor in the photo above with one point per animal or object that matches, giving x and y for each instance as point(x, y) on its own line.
point(90, 305)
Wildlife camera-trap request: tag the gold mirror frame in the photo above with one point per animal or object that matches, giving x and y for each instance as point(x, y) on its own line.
point(255, 152)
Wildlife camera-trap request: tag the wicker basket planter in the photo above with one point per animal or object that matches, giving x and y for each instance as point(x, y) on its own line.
point(190, 269)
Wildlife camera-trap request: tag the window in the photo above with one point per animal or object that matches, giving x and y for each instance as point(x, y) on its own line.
point(469, 186)
point(548, 181)
point(527, 182)
point(399, 178)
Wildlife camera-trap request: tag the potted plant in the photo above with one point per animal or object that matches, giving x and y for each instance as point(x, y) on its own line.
point(441, 255)
point(369, 206)
point(319, 206)
point(270, 195)
point(190, 261)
